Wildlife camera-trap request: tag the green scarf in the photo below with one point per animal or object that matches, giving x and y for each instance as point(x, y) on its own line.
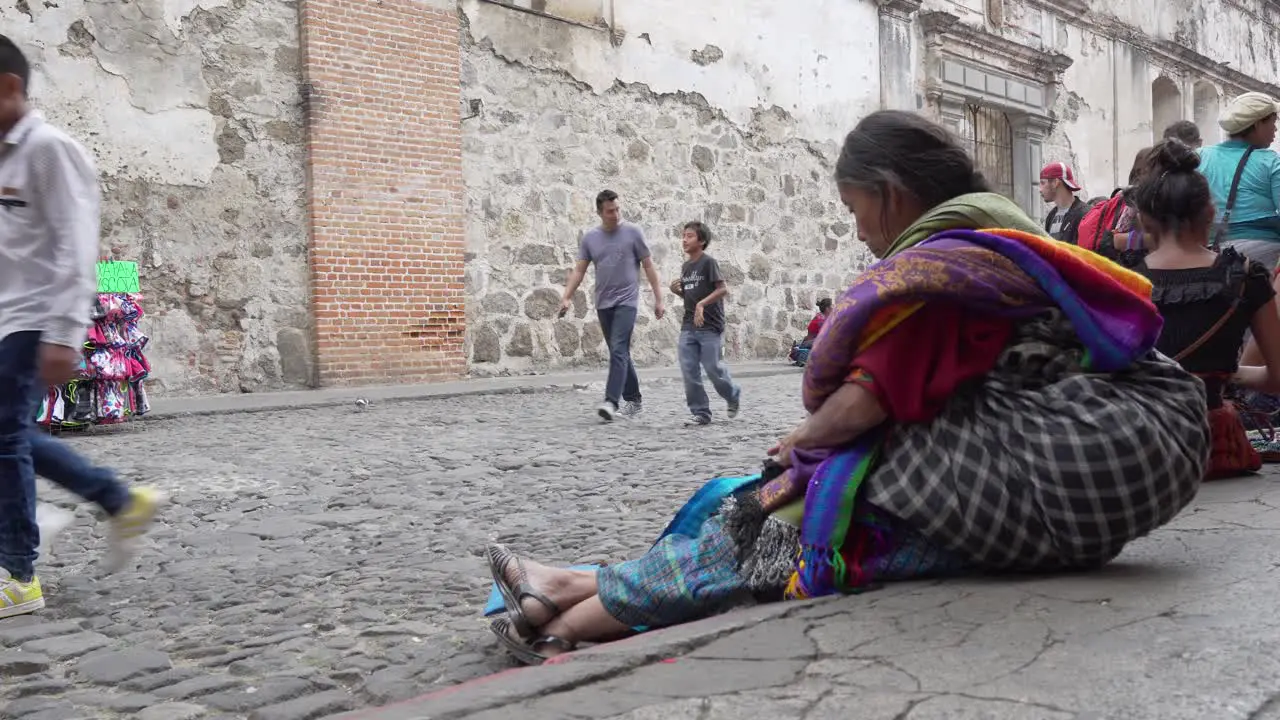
point(976, 211)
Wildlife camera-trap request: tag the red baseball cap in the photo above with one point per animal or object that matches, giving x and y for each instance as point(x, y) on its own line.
point(1060, 171)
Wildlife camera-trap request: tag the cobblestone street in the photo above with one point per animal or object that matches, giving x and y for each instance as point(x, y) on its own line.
point(321, 560)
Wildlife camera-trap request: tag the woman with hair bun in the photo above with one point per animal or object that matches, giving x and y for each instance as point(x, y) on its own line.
point(1209, 299)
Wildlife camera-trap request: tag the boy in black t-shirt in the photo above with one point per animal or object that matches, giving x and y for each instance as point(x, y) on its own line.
point(702, 288)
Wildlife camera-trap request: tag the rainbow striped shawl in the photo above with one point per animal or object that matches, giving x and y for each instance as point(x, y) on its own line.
point(1007, 273)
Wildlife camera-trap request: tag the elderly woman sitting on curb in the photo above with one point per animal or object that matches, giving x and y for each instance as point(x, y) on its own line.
point(981, 399)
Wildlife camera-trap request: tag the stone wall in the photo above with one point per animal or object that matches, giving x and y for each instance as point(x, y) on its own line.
point(197, 115)
point(542, 137)
point(192, 110)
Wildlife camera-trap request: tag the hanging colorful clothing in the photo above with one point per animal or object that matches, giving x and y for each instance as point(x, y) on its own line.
point(110, 387)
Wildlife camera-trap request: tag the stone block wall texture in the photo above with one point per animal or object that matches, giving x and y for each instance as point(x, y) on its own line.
point(191, 110)
point(545, 144)
point(430, 232)
point(385, 163)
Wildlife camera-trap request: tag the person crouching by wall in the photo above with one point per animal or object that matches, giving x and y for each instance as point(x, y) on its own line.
point(800, 351)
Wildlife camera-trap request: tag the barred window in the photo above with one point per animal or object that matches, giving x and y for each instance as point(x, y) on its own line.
point(990, 140)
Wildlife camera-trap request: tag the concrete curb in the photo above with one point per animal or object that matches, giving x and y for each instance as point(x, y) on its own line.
point(584, 667)
point(171, 408)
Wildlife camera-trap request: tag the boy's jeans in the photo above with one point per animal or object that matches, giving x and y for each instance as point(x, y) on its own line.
point(700, 350)
point(26, 452)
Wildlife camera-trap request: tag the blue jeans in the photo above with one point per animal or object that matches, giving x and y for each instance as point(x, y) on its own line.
point(700, 350)
point(617, 324)
point(26, 452)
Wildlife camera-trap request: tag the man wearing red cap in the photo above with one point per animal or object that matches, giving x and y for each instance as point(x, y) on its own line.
point(1058, 186)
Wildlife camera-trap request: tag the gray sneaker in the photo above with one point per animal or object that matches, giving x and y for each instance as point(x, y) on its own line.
point(697, 421)
point(631, 408)
point(606, 411)
point(735, 405)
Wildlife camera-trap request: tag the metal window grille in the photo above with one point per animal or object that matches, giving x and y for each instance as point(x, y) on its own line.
point(990, 138)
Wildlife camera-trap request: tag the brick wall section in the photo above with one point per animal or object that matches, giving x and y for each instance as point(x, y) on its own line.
point(385, 189)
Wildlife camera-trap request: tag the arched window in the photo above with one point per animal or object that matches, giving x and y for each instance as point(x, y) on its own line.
point(1207, 103)
point(1166, 106)
point(995, 13)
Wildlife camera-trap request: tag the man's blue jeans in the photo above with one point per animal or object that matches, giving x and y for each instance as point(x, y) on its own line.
point(700, 350)
point(616, 324)
point(26, 452)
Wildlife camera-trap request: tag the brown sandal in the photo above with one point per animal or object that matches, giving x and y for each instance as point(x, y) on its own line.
point(500, 558)
point(526, 651)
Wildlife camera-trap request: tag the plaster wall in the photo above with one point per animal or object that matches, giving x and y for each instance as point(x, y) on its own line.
point(191, 110)
point(726, 112)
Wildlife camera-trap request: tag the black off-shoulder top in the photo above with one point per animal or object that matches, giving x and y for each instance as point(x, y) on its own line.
point(1194, 299)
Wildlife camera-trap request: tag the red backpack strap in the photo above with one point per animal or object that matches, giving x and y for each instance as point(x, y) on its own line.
point(1103, 227)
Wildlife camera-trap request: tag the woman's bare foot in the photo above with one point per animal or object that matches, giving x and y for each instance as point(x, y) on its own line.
point(587, 621)
point(534, 582)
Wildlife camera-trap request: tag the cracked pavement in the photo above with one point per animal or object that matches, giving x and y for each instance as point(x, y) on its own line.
point(325, 560)
point(1181, 626)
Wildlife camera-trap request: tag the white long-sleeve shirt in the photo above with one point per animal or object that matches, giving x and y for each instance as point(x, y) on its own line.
point(49, 204)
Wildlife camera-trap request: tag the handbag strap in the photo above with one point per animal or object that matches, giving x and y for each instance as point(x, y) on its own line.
point(1208, 335)
point(1231, 199)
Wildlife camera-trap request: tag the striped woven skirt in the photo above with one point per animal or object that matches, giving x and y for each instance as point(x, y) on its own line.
point(736, 561)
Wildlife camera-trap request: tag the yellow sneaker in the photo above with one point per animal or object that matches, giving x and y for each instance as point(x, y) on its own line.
point(19, 598)
point(131, 524)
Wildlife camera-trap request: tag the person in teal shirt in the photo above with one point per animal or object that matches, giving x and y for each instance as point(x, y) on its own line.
point(1254, 227)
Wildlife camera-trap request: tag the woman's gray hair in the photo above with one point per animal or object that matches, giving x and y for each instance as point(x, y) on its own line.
point(895, 149)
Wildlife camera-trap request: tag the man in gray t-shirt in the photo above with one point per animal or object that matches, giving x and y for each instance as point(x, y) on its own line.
point(618, 250)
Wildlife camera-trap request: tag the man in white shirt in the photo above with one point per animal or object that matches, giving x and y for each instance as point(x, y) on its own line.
point(48, 251)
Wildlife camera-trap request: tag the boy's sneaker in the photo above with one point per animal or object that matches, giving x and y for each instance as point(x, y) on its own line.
point(19, 598)
point(631, 408)
point(607, 411)
point(735, 405)
point(697, 420)
point(131, 524)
